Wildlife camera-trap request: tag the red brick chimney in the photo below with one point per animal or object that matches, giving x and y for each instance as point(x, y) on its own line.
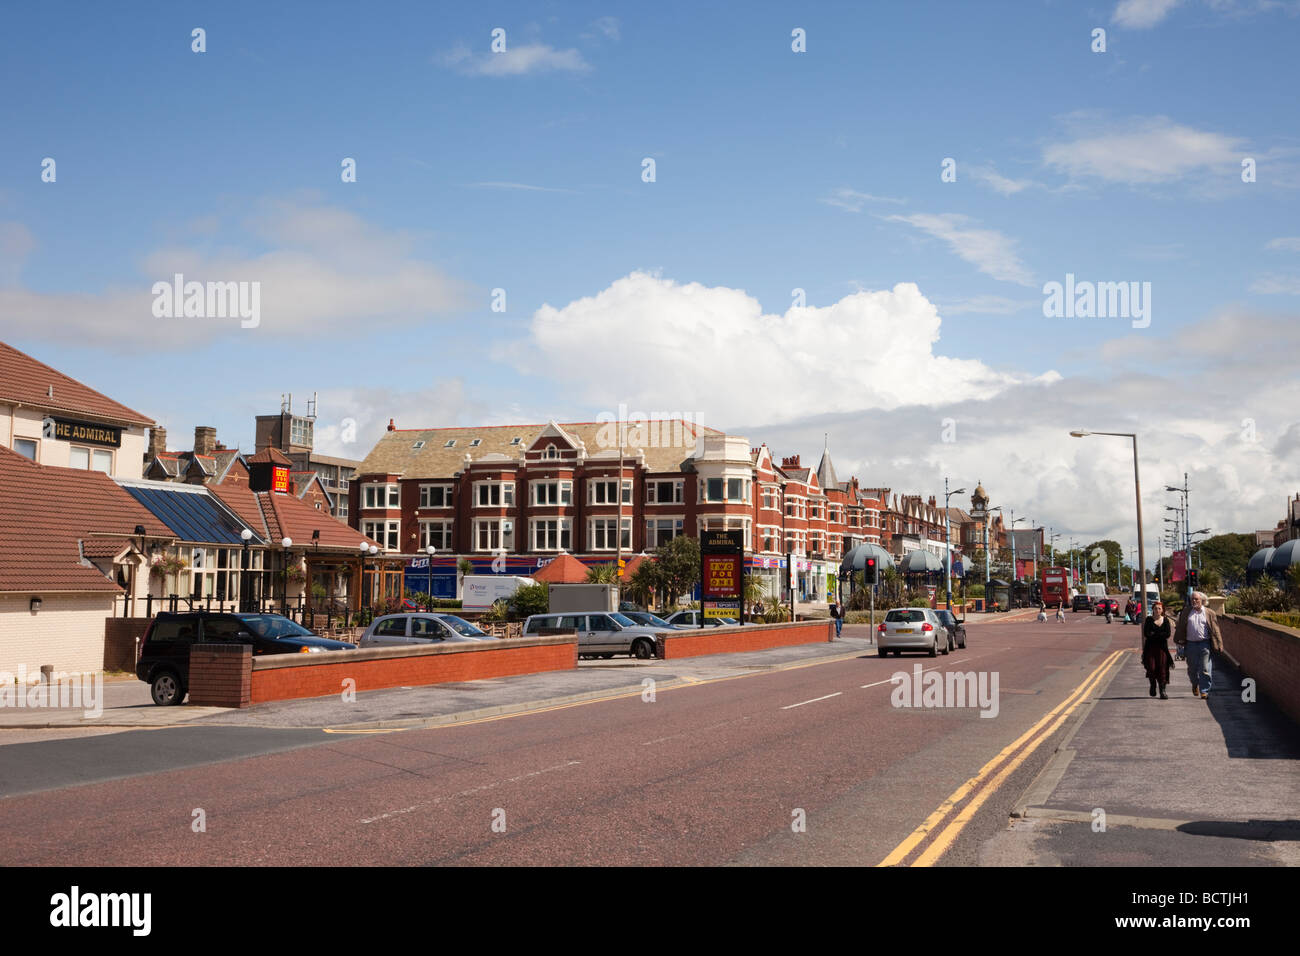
point(205, 440)
point(791, 462)
point(391, 427)
point(157, 441)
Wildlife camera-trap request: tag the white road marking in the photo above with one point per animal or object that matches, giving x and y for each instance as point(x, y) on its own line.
point(471, 790)
point(813, 701)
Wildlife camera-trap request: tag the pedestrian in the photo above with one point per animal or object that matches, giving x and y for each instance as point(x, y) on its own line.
point(838, 617)
point(1060, 612)
point(1198, 633)
point(1155, 650)
point(1042, 612)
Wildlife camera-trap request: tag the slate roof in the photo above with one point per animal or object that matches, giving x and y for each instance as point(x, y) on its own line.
point(46, 511)
point(276, 516)
point(395, 453)
point(24, 379)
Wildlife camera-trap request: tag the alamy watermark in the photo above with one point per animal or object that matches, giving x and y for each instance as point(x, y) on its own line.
point(953, 689)
point(649, 430)
point(1098, 300)
point(179, 299)
point(26, 689)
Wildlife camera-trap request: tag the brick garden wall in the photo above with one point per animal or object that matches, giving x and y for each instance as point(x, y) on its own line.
point(749, 637)
point(1268, 652)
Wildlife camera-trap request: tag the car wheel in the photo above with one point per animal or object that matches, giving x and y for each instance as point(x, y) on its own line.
point(898, 653)
point(166, 689)
point(934, 648)
point(643, 650)
point(882, 652)
point(947, 647)
point(962, 645)
point(605, 657)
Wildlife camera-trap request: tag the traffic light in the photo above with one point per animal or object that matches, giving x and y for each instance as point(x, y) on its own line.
point(869, 572)
point(1191, 579)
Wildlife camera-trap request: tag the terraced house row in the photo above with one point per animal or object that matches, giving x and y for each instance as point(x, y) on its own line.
point(522, 494)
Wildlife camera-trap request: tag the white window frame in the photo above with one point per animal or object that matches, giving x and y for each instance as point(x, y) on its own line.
point(490, 535)
point(652, 486)
point(604, 483)
point(562, 531)
point(439, 526)
point(424, 496)
point(505, 494)
point(563, 490)
point(652, 529)
point(36, 446)
point(385, 532)
point(600, 534)
point(389, 498)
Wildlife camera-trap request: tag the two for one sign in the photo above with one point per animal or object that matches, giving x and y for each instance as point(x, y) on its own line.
point(722, 556)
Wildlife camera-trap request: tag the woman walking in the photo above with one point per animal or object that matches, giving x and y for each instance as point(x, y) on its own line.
point(1155, 649)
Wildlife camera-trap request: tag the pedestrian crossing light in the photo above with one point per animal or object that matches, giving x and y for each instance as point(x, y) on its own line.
point(869, 573)
point(1191, 579)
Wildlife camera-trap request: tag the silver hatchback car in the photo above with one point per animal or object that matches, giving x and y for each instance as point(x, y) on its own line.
point(419, 630)
point(911, 629)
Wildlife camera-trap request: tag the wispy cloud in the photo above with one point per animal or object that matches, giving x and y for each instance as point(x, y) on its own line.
point(1142, 14)
point(853, 201)
point(1142, 150)
point(1285, 243)
point(608, 27)
point(524, 186)
point(1000, 183)
point(1275, 284)
point(515, 61)
point(987, 249)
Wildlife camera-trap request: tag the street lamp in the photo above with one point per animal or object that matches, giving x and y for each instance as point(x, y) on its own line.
point(285, 543)
point(245, 591)
point(1137, 489)
point(1015, 576)
point(947, 538)
point(430, 550)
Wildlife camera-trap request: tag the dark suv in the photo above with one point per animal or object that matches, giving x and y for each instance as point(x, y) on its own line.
point(1080, 602)
point(164, 662)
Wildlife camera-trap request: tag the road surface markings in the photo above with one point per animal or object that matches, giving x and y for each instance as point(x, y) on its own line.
point(945, 839)
point(813, 701)
point(470, 792)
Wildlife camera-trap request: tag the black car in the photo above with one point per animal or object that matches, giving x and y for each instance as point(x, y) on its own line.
point(164, 662)
point(956, 628)
point(1081, 602)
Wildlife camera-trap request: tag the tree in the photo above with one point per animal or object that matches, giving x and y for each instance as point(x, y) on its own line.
point(1099, 566)
point(530, 599)
point(602, 574)
point(646, 581)
point(679, 560)
point(1227, 554)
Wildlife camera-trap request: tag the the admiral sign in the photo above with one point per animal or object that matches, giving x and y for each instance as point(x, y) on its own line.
point(83, 433)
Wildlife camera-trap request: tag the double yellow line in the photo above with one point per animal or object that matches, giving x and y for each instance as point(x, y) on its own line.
point(1011, 757)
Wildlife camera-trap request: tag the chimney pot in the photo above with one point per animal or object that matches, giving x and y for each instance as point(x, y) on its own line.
point(391, 427)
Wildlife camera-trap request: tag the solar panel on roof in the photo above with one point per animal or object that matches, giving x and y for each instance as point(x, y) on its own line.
point(190, 516)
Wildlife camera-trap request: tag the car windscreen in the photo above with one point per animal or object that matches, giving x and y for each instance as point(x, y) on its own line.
point(273, 626)
point(945, 617)
point(905, 617)
point(461, 626)
point(652, 619)
point(623, 619)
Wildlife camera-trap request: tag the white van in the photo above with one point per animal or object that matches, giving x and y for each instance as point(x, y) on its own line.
point(1153, 594)
point(1096, 593)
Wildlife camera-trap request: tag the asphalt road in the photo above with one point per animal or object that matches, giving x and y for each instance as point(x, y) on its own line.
point(811, 765)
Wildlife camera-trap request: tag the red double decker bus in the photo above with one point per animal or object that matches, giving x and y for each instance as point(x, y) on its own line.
point(1055, 586)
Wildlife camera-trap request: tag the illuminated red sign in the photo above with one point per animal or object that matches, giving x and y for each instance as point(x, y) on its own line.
point(280, 479)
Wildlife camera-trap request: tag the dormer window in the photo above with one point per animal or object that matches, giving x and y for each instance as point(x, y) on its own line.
point(551, 452)
point(515, 441)
point(475, 443)
point(417, 446)
point(451, 443)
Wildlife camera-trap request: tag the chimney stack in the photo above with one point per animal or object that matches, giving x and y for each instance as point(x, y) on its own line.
point(157, 441)
point(205, 440)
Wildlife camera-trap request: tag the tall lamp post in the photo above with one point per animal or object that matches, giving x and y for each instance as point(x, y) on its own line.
point(947, 539)
point(1015, 571)
point(245, 591)
point(286, 544)
point(430, 550)
point(1137, 491)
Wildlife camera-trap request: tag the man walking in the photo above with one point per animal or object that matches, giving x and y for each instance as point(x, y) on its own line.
point(1197, 632)
point(838, 617)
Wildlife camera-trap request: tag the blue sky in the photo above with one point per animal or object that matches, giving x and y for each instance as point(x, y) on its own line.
point(775, 170)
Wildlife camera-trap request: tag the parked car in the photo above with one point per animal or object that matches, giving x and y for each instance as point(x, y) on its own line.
point(1105, 603)
point(1081, 602)
point(646, 619)
point(956, 629)
point(692, 619)
point(164, 662)
point(600, 635)
point(911, 629)
point(419, 629)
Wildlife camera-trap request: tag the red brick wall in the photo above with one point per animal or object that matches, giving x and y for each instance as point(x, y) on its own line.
point(220, 675)
point(750, 637)
point(120, 634)
point(1270, 654)
point(295, 676)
